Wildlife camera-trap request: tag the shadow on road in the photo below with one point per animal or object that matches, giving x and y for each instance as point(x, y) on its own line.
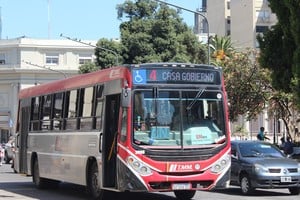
point(70, 191)
point(236, 191)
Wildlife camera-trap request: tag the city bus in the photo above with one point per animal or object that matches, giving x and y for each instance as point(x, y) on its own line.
point(156, 127)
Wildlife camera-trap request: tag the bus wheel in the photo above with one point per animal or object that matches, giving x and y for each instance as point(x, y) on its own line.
point(37, 180)
point(184, 194)
point(93, 184)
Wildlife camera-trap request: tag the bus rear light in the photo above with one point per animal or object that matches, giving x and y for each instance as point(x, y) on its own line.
point(138, 166)
point(221, 164)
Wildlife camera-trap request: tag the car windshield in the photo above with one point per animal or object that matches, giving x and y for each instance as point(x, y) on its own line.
point(259, 150)
point(178, 118)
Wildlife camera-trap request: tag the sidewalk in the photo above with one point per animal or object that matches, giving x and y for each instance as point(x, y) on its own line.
point(7, 178)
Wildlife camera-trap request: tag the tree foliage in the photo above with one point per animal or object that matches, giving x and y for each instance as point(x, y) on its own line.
point(108, 53)
point(248, 85)
point(156, 33)
point(88, 67)
point(280, 47)
point(221, 49)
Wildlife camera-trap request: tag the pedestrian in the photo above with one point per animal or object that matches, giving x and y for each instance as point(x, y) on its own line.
point(288, 147)
point(1, 155)
point(261, 134)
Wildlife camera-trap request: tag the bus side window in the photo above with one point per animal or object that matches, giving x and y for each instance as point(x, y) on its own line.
point(124, 125)
point(46, 118)
point(35, 117)
point(98, 107)
point(85, 116)
point(71, 120)
point(58, 111)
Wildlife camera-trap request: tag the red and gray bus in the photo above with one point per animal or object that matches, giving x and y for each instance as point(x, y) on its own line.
point(155, 127)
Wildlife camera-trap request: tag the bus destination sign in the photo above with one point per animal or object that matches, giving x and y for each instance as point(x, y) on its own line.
point(160, 75)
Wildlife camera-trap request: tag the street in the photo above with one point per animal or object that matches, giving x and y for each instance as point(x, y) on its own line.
point(16, 186)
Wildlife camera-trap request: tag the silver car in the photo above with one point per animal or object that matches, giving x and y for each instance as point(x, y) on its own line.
point(258, 164)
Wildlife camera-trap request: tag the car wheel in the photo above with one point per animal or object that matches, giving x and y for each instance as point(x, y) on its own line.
point(245, 184)
point(184, 194)
point(294, 190)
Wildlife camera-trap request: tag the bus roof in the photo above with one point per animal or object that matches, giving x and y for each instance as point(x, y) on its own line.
point(78, 81)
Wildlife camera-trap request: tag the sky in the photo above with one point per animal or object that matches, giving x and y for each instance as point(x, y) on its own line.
point(81, 19)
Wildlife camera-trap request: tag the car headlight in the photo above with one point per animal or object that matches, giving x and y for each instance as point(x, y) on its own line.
point(260, 168)
point(221, 164)
point(138, 166)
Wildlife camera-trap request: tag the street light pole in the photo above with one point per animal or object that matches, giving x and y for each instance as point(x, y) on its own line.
point(79, 41)
point(197, 13)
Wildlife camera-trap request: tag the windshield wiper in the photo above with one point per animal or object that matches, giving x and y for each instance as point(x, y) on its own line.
point(189, 107)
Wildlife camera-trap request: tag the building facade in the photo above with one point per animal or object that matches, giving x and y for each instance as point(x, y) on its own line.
point(25, 62)
point(242, 20)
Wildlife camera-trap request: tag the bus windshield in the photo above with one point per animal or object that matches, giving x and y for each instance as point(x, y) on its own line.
point(181, 119)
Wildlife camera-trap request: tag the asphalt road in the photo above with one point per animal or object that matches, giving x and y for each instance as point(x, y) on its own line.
point(17, 186)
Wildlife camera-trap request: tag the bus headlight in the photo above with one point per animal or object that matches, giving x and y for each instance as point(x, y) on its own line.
point(138, 166)
point(221, 164)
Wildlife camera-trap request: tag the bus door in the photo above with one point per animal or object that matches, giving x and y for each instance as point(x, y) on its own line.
point(20, 164)
point(112, 107)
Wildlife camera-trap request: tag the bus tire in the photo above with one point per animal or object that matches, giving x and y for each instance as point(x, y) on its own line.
point(184, 194)
point(93, 186)
point(39, 182)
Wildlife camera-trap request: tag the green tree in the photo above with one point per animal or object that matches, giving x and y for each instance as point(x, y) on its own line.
point(221, 48)
point(156, 33)
point(280, 47)
point(108, 53)
point(88, 67)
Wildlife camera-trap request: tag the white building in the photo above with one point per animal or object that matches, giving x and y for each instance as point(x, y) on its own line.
point(26, 62)
point(241, 19)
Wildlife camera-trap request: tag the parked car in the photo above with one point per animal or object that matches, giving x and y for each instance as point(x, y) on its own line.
point(259, 164)
point(9, 150)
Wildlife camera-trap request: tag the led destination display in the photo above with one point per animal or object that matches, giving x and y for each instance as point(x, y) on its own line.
point(160, 75)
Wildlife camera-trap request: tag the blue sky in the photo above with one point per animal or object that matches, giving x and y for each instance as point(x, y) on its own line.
point(86, 20)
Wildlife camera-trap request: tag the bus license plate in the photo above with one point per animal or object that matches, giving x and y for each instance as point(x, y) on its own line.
point(286, 179)
point(181, 186)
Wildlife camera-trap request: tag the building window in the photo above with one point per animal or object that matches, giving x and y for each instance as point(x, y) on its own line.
point(52, 59)
point(2, 59)
point(261, 29)
point(83, 59)
point(263, 15)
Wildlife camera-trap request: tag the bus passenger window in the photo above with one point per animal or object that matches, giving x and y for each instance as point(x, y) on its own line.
point(71, 120)
point(57, 111)
point(98, 104)
point(46, 112)
point(35, 117)
point(86, 120)
point(87, 102)
point(72, 104)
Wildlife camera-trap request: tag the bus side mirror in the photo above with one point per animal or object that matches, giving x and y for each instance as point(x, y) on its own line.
point(126, 97)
